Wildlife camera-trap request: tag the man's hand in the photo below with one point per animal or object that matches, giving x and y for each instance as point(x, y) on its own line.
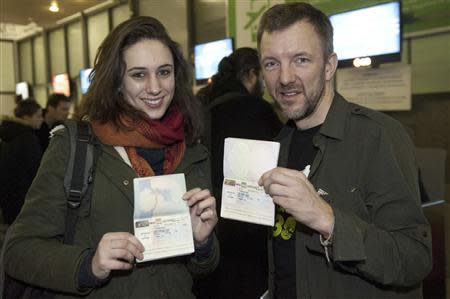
point(292, 190)
point(116, 251)
point(202, 207)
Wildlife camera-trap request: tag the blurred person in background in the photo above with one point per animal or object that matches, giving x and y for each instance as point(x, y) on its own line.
point(236, 108)
point(20, 155)
point(56, 111)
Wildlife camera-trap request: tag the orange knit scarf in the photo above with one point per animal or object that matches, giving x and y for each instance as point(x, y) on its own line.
point(166, 133)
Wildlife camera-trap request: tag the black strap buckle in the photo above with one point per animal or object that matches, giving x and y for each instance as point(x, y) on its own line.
point(74, 200)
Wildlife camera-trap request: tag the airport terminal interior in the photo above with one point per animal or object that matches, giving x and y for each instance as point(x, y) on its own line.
point(44, 52)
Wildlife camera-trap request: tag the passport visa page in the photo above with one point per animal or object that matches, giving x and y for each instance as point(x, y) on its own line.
point(244, 162)
point(161, 217)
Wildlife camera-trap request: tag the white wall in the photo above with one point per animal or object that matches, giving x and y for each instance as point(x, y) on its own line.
point(7, 78)
point(173, 15)
point(430, 58)
point(98, 29)
point(7, 69)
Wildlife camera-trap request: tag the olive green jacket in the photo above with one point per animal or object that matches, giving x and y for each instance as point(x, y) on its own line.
point(36, 254)
point(365, 168)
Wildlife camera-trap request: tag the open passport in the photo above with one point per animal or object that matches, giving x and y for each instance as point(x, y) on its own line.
point(162, 221)
point(244, 162)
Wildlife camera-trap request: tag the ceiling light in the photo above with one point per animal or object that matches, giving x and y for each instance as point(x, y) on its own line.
point(54, 6)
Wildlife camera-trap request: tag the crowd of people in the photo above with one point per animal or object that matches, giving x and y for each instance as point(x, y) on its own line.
point(350, 228)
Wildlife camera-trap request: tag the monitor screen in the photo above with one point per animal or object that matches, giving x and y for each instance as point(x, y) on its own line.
point(207, 57)
point(61, 84)
point(373, 32)
point(84, 80)
point(23, 89)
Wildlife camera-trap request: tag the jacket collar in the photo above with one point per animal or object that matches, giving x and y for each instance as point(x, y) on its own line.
point(192, 155)
point(333, 127)
point(334, 124)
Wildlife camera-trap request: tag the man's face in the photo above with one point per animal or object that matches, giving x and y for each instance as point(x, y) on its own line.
point(294, 69)
point(60, 112)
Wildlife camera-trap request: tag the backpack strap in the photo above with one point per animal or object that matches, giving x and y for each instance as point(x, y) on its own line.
point(79, 171)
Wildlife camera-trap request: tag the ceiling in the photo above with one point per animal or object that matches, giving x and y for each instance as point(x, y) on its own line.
point(24, 12)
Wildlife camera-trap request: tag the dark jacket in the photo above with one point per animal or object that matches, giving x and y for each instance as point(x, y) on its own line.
point(43, 133)
point(20, 155)
point(34, 251)
point(239, 115)
point(365, 168)
point(243, 245)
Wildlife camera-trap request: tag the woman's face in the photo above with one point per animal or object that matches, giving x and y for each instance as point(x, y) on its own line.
point(149, 80)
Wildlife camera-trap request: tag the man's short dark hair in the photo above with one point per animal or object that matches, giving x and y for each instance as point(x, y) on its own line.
point(281, 16)
point(26, 108)
point(55, 98)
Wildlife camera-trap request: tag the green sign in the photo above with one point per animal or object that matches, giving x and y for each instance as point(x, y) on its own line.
point(418, 15)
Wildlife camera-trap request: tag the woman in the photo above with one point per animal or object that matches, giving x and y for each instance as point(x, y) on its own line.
point(20, 155)
point(146, 120)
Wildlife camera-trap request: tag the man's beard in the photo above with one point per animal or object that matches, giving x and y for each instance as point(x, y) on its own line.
point(311, 102)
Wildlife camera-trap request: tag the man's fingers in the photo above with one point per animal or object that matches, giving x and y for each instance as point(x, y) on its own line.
point(277, 190)
point(281, 176)
point(283, 202)
point(276, 177)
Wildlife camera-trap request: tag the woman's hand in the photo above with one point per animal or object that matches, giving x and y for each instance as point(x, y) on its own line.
point(202, 207)
point(116, 251)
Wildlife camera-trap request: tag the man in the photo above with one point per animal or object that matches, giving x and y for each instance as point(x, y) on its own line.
point(56, 111)
point(236, 109)
point(353, 227)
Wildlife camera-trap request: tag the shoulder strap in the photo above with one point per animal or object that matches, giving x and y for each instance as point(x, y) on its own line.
point(79, 171)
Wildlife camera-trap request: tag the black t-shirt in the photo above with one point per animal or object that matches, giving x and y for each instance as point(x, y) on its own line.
point(301, 153)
